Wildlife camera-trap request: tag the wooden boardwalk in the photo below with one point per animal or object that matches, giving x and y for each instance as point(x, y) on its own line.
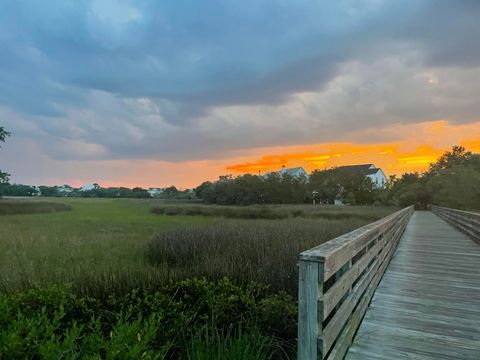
point(427, 305)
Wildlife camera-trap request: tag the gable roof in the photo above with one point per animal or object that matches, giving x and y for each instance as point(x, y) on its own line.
point(363, 169)
point(294, 172)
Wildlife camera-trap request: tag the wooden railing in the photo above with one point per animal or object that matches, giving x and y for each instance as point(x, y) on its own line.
point(336, 284)
point(467, 222)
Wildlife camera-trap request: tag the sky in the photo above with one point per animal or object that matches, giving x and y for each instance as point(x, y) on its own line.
point(155, 93)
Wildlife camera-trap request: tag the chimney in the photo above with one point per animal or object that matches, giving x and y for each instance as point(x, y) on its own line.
point(259, 172)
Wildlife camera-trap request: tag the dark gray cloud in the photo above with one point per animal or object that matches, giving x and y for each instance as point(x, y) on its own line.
point(116, 79)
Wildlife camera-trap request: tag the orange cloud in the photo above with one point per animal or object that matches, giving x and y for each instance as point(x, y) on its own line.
point(418, 146)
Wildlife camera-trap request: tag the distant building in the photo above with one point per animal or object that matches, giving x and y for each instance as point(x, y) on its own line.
point(154, 192)
point(294, 172)
point(36, 191)
point(89, 187)
point(375, 174)
point(65, 189)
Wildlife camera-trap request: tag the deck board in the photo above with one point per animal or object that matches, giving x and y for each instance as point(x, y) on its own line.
point(427, 305)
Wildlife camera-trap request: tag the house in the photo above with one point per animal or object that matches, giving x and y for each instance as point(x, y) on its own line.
point(376, 175)
point(90, 187)
point(293, 172)
point(36, 191)
point(65, 189)
point(154, 192)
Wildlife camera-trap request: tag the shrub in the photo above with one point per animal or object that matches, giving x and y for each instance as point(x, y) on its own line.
point(189, 319)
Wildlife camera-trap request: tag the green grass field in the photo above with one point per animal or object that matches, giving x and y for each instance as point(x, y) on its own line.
point(102, 245)
point(97, 238)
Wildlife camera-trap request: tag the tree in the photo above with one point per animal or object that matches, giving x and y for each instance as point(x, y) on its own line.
point(352, 187)
point(457, 156)
point(170, 191)
point(454, 179)
point(49, 191)
point(205, 191)
point(4, 177)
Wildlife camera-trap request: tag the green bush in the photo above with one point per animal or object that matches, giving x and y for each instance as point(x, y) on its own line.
point(189, 319)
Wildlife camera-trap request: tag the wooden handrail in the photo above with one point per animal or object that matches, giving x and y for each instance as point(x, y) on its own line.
point(465, 221)
point(337, 281)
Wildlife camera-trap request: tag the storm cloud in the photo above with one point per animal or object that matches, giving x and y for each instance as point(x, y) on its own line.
point(192, 80)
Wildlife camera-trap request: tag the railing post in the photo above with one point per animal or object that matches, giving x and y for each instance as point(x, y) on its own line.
point(310, 288)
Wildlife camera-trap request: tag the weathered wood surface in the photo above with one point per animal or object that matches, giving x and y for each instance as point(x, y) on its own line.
point(465, 221)
point(337, 281)
point(427, 305)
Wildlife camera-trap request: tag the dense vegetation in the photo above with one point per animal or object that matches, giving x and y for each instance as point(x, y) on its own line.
point(322, 186)
point(130, 291)
point(452, 181)
point(193, 319)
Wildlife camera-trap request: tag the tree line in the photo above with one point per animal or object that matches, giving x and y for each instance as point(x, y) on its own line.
point(452, 181)
point(321, 187)
point(97, 191)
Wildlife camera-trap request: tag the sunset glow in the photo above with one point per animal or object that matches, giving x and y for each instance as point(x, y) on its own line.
point(410, 154)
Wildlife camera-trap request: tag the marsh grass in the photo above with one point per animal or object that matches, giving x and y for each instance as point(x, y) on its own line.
point(244, 250)
point(105, 246)
point(273, 211)
point(210, 344)
point(15, 207)
point(99, 246)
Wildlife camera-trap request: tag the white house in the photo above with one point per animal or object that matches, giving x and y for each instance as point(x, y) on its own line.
point(65, 189)
point(89, 187)
point(294, 172)
point(376, 175)
point(155, 191)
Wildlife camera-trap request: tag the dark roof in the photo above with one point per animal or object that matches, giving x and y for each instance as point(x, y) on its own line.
point(295, 172)
point(363, 169)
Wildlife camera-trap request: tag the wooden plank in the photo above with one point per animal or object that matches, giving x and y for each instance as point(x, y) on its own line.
point(332, 297)
point(345, 339)
point(427, 304)
point(309, 289)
